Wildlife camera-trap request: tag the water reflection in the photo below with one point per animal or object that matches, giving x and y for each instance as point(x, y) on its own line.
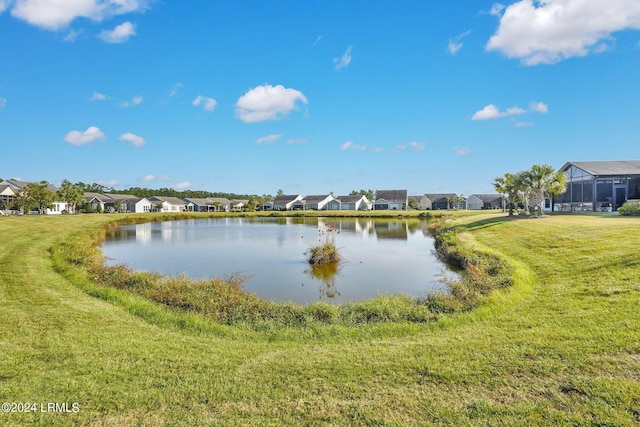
point(326, 275)
point(381, 256)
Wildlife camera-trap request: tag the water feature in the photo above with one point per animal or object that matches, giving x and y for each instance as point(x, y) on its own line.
point(380, 256)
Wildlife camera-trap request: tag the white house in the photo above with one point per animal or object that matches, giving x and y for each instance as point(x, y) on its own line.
point(17, 186)
point(125, 203)
point(358, 202)
point(168, 204)
point(286, 202)
point(319, 203)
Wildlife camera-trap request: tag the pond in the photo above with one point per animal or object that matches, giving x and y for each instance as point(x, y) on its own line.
point(380, 256)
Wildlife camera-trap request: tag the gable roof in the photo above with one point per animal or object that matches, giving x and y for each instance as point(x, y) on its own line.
point(19, 185)
point(284, 199)
point(607, 168)
point(352, 198)
point(392, 196)
point(436, 196)
point(489, 197)
point(316, 199)
point(170, 200)
point(123, 197)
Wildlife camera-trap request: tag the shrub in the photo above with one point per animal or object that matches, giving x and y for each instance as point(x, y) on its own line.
point(630, 209)
point(326, 252)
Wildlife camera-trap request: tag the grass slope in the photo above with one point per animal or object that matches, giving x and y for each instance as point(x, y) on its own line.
point(560, 347)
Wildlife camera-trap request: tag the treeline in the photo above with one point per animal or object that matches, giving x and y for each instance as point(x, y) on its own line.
point(164, 192)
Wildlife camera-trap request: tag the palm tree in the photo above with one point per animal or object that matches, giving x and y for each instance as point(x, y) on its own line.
point(509, 184)
point(543, 181)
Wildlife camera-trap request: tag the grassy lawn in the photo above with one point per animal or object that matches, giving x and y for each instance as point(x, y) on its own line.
point(560, 347)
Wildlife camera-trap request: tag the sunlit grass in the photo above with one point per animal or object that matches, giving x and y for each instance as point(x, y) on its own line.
point(559, 347)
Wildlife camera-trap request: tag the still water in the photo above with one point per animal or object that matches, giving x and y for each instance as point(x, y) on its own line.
point(381, 256)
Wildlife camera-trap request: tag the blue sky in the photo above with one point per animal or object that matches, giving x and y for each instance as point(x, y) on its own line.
point(314, 96)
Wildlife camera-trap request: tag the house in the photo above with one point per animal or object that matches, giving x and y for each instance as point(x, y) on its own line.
point(441, 201)
point(17, 186)
point(7, 197)
point(354, 203)
point(219, 204)
point(598, 186)
point(197, 205)
point(167, 204)
point(96, 202)
point(125, 203)
point(391, 200)
point(485, 201)
point(239, 205)
point(286, 202)
point(319, 203)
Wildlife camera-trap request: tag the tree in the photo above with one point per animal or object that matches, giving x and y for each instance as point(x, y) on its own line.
point(280, 192)
point(456, 201)
point(35, 196)
point(71, 194)
point(543, 181)
point(369, 194)
point(413, 204)
point(510, 184)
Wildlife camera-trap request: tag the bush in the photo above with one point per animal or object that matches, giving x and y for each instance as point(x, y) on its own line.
point(630, 209)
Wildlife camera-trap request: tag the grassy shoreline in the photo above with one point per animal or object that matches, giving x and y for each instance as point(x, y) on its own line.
point(561, 346)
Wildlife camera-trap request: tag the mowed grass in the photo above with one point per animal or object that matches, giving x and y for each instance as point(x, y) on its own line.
point(560, 347)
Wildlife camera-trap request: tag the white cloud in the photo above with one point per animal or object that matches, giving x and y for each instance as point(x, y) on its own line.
point(455, 44)
point(3, 102)
point(416, 146)
point(496, 9)
point(523, 124)
point(133, 139)
point(97, 96)
point(183, 185)
point(461, 151)
point(349, 145)
point(539, 107)
point(109, 183)
point(119, 34)
point(267, 102)
point(317, 40)
point(344, 60)
point(491, 112)
point(3, 5)
point(175, 89)
point(207, 103)
point(269, 139)
point(137, 100)
point(78, 138)
point(377, 149)
point(546, 32)
point(151, 178)
point(297, 141)
point(57, 14)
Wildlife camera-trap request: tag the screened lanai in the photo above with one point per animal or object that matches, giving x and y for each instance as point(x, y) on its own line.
point(599, 186)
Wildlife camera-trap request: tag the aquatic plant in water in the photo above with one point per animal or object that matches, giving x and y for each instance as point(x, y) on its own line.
point(326, 252)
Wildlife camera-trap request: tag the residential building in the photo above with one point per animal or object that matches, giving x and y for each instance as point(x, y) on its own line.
point(357, 202)
point(390, 200)
point(598, 186)
point(485, 201)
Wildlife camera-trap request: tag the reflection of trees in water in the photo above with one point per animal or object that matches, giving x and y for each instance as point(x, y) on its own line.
point(326, 274)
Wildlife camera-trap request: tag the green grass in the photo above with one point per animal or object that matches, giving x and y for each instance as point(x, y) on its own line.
point(559, 347)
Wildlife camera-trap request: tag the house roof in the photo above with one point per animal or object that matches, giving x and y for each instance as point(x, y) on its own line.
point(123, 197)
point(352, 198)
point(488, 197)
point(170, 200)
point(392, 196)
point(607, 168)
point(196, 201)
point(436, 196)
point(316, 199)
point(6, 187)
point(222, 200)
point(284, 199)
point(19, 185)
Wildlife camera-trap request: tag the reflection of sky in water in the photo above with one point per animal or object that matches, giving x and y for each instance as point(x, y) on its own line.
point(381, 256)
